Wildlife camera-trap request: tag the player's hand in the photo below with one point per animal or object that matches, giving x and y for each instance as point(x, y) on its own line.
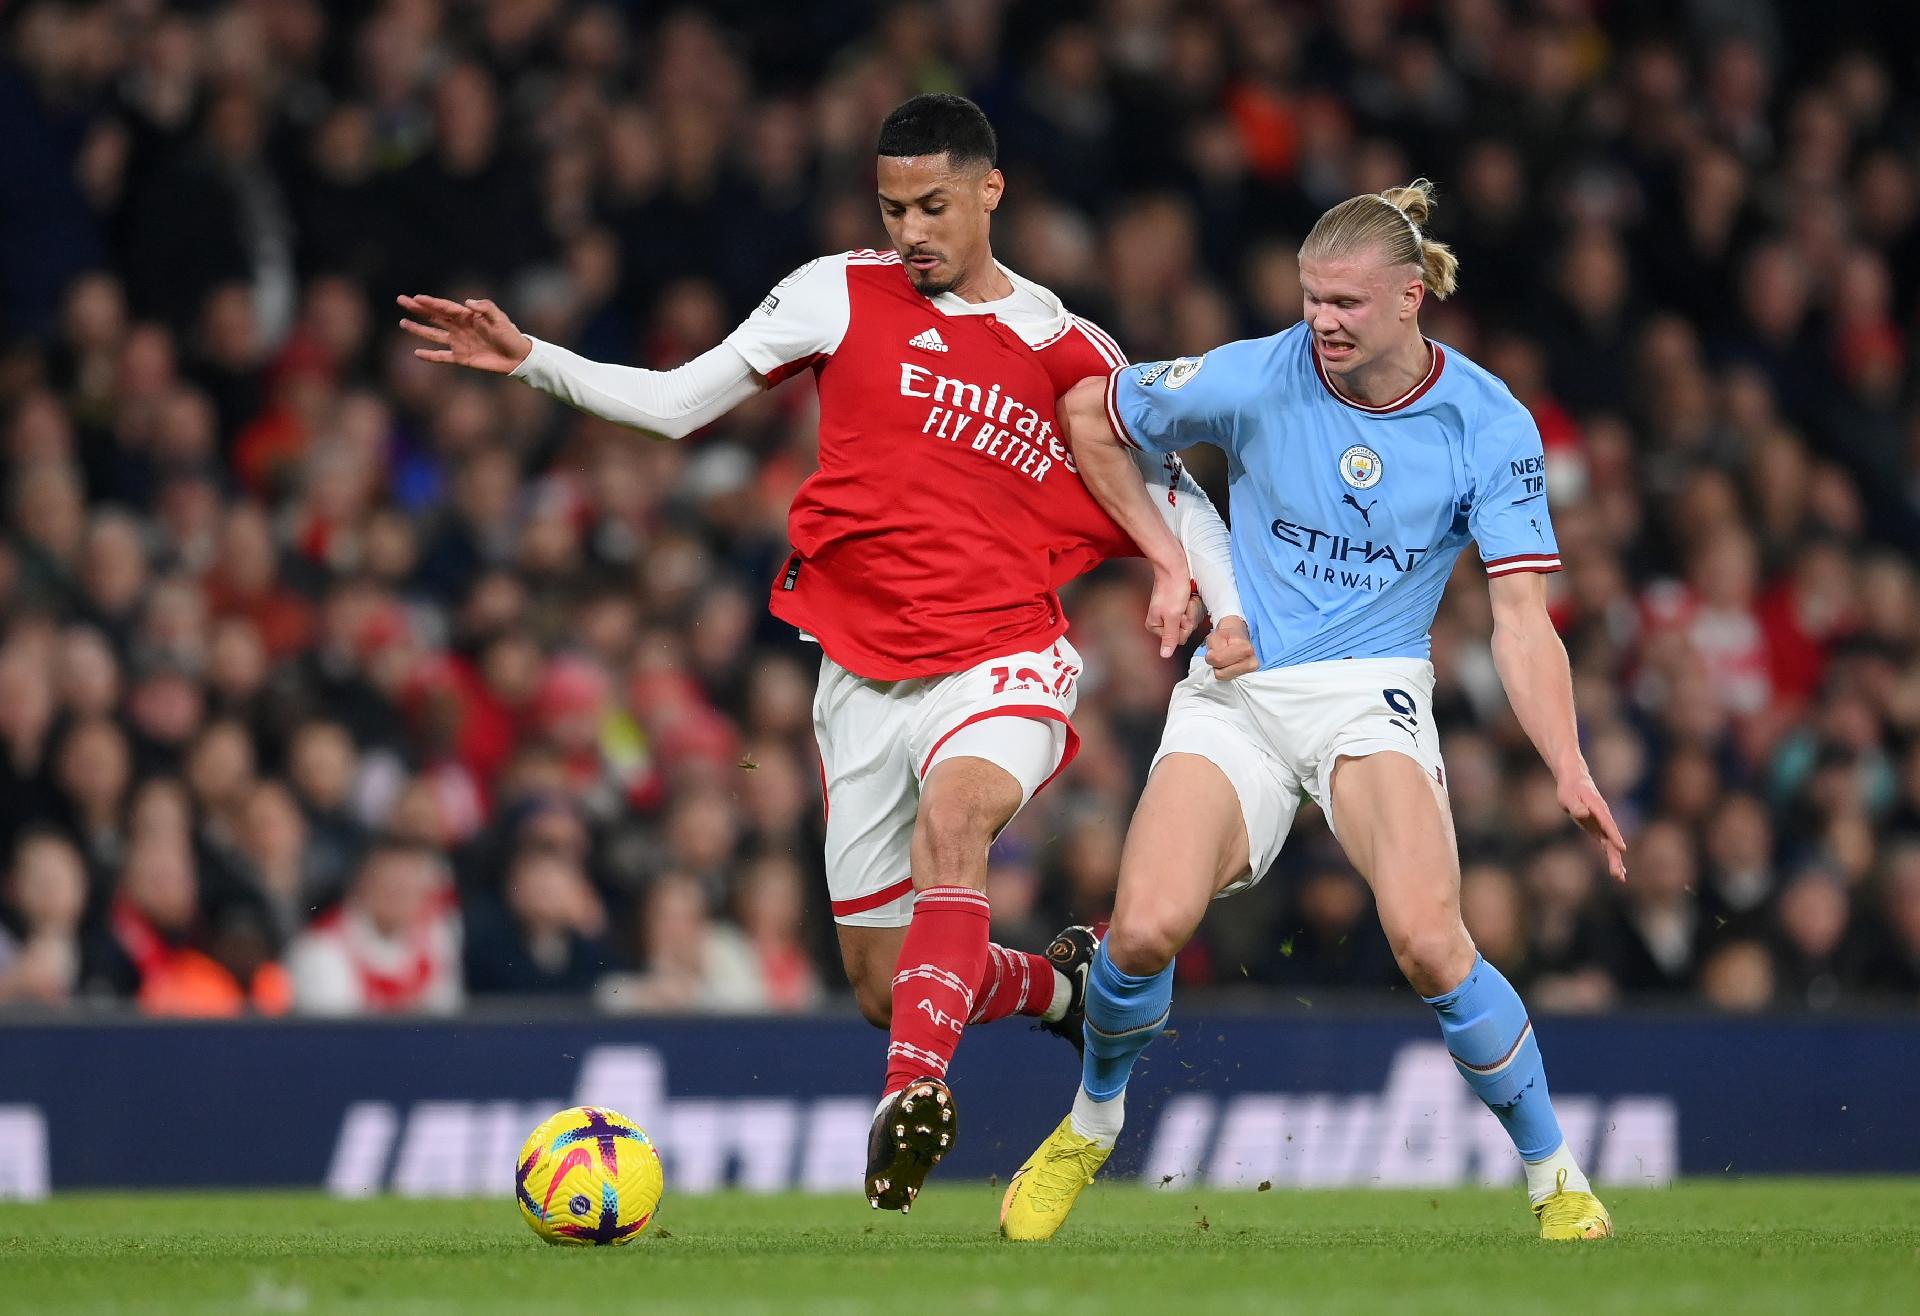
point(1230, 649)
point(1167, 614)
point(1583, 802)
point(476, 334)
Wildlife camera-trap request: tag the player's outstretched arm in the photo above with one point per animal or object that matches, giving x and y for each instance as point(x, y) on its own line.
point(1116, 483)
point(1533, 667)
point(669, 403)
point(1196, 523)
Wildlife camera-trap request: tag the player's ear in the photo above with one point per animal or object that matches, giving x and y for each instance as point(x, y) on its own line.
point(1410, 300)
point(992, 186)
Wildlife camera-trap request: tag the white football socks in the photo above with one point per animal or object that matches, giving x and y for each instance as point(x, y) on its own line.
point(1062, 997)
point(1543, 1175)
point(1099, 1120)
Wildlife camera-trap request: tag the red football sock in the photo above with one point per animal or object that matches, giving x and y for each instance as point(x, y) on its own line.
point(943, 957)
point(1016, 982)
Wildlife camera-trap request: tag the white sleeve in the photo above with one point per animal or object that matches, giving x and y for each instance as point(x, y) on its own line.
point(803, 318)
point(1190, 514)
point(673, 403)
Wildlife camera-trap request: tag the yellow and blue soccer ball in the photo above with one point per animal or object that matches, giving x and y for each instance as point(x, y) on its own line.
point(589, 1177)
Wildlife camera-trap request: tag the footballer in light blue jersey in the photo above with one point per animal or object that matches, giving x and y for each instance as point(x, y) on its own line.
point(1347, 519)
point(1362, 458)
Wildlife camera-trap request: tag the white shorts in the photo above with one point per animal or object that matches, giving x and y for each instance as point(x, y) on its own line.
point(1277, 735)
point(879, 739)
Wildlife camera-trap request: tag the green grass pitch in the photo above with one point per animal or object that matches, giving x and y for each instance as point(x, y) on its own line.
point(1745, 1246)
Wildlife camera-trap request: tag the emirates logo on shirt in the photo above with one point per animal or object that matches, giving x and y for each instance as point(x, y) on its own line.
point(928, 340)
point(994, 424)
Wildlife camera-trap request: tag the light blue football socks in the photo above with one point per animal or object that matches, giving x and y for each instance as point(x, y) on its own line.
point(1124, 1013)
point(1491, 1040)
point(1483, 1021)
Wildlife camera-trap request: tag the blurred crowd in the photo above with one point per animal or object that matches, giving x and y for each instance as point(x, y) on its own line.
point(334, 681)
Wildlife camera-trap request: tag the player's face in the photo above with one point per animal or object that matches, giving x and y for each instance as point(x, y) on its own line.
point(936, 216)
point(1359, 308)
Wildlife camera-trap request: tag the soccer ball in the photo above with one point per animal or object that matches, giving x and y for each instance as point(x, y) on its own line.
point(588, 1177)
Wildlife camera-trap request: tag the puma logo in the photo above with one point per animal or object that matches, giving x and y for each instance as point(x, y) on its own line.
point(1366, 513)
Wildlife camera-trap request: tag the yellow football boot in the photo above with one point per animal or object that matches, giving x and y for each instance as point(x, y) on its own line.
point(1569, 1216)
point(1043, 1191)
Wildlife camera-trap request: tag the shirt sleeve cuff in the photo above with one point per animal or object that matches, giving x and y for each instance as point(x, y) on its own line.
point(1118, 425)
point(1543, 563)
point(529, 368)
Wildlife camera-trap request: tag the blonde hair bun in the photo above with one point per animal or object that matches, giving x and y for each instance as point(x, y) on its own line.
point(1393, 222)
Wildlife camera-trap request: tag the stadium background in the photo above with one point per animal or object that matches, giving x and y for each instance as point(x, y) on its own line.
point(270, 588)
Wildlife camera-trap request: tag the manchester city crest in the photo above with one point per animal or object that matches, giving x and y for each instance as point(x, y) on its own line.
point(1360, 466)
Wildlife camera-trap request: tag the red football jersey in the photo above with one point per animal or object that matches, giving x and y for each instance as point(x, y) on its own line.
point(947, 510)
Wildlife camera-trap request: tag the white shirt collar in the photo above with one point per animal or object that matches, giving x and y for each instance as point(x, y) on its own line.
point(1031, 310)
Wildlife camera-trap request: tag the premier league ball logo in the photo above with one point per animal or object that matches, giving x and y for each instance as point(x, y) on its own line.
point(1360, 466)
point(1182, 370)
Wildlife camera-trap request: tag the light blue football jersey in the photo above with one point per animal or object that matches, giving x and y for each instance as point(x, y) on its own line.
point(1347, 519)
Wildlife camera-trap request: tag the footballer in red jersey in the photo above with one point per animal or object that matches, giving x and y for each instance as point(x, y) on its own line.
point(928, 551)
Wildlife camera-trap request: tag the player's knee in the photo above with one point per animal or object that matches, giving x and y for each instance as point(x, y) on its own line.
point(1144, 944)
point(1435, 956)
point(954, 832)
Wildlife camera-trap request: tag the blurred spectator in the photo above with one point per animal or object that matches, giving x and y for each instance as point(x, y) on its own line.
point(392, 947)
point(26, 724)
point(1014, 889)
point(270, 586)
point(692, 962)
point(40, 908)
point(1657, 938)
point(1896, 969)
point(113, 576)
point(93, 771)
point(244, 583)
point(550, 938)
point(1494, 910)
point(1814, 936)
point(321, 769)
point(157, 947)
point(1088, 859)
point(1569, 927)
point(1739, 870)
point(702, 831)
point(272, 841)
point(1332, 937)
point(601, 750)
point(1739, 977)
point(770, 907)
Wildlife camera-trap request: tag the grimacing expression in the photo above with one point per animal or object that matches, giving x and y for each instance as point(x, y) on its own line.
point(1358, 307)
point(936, 215)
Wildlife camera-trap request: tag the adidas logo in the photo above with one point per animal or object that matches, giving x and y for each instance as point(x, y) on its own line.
point(928, 340)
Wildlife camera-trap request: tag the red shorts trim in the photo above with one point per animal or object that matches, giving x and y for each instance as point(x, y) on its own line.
point(873, 899)
point(1045, 712)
